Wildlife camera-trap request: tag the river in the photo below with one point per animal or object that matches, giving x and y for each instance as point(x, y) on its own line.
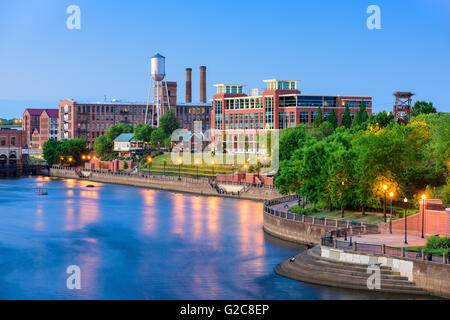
point(133, 243)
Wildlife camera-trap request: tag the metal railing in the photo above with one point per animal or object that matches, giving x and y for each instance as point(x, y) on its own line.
point(343, 227)
point(401, 252)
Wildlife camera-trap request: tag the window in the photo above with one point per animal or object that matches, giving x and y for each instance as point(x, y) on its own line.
point(292, 119)
point(251, 120)
point(304, 117)
point(13, 141)
point(269, 112)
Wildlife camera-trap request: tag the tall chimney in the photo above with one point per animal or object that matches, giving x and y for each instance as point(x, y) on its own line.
point(188, 85)
point(202, 84)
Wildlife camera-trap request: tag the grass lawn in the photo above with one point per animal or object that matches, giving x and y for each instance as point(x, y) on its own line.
point(226, 160)
point(438, 251)
point(369, 217)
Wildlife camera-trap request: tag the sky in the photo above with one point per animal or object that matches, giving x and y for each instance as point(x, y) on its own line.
point(325, 44)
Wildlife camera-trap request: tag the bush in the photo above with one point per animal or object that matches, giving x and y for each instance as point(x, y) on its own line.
point(306, 211)
point(435, 242)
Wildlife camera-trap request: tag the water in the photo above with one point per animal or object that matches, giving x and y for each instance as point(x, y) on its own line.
point(134, 243)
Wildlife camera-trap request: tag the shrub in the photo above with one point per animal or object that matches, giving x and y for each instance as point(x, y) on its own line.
point(435, 242)
point(306, 211)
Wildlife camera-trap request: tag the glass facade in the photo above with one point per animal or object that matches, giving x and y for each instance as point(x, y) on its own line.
point(269, 112)
point(218, 114)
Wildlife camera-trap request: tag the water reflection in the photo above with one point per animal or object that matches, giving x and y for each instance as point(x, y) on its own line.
point(134, 243)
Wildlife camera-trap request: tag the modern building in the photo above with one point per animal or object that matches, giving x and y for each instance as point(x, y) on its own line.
point(281, 105)
point(39, 126)
point(90, 119)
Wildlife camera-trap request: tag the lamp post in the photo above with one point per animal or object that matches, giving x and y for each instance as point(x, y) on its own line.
point(391, 195)
point(423, 213)
point(213, 163)
point(180, 162)
point(384, 208)
point(406, 225)
point(342, 204)
point(197, 163)
point(149, 161)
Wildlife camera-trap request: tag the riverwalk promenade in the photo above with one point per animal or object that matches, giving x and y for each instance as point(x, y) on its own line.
point(344, 251)
point(168, 183)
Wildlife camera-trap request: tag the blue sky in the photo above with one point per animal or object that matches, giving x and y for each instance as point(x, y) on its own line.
point(325, 44)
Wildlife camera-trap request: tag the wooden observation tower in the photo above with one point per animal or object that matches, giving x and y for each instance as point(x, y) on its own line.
point(402, 107)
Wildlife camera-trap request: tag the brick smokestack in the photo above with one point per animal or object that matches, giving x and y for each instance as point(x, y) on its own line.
point(188, 85)
point(202, 84)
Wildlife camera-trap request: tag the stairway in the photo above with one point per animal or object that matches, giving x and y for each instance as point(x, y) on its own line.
point(310, 267)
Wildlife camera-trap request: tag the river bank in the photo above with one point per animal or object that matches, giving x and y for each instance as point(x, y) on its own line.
point(184, 185)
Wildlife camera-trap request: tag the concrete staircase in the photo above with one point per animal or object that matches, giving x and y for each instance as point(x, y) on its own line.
point(310, 267)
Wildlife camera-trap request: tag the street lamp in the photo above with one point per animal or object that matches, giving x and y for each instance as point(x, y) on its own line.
point(406, 239)
point(342, 204)
point(391, 195)
point(197, 164)
point(180, 162)
point(149, 161)
point(164, 170)
point(213, 163)
point(384, 208)
point(423, 212)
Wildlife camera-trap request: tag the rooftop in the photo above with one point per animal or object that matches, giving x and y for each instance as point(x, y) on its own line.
point(124, 137)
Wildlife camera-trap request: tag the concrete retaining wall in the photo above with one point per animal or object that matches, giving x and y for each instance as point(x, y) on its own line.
point(430, 276)
point(200, 187)
point(294, 231)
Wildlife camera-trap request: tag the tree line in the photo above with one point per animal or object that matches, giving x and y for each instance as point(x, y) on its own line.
point(156, 137)
point(347, 166)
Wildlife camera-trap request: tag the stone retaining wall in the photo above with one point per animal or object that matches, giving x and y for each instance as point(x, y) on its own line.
point(294, 231)
point(195, 187)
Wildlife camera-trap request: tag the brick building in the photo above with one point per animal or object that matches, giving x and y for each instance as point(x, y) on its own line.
point(40, 125)
point(281, 105)
point(11, 143)
point(88, 120)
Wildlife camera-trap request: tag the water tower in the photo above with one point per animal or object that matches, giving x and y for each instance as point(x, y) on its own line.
point(161, 94)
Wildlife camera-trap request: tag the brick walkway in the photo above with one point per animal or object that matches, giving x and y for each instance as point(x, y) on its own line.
point(392, 240)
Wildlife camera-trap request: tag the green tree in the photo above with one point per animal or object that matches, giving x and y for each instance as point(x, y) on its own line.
point(169, 122)
point(102, 146)
point(332, 118)
point(346, 117)
point(422, 107)
point(143, 132)
point(326, 128)
point(51, 151)
point(382, 118)
point(158, 137)
point(361, 116)
point(291, 139)
point(116, 130)
point(318, 118)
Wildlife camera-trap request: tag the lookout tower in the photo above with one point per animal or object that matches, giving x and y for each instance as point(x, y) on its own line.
point(402, 107)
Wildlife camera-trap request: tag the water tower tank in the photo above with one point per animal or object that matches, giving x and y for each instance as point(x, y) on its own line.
point(158, 67)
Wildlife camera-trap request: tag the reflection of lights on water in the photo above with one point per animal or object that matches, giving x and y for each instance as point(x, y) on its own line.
point(148, 211)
